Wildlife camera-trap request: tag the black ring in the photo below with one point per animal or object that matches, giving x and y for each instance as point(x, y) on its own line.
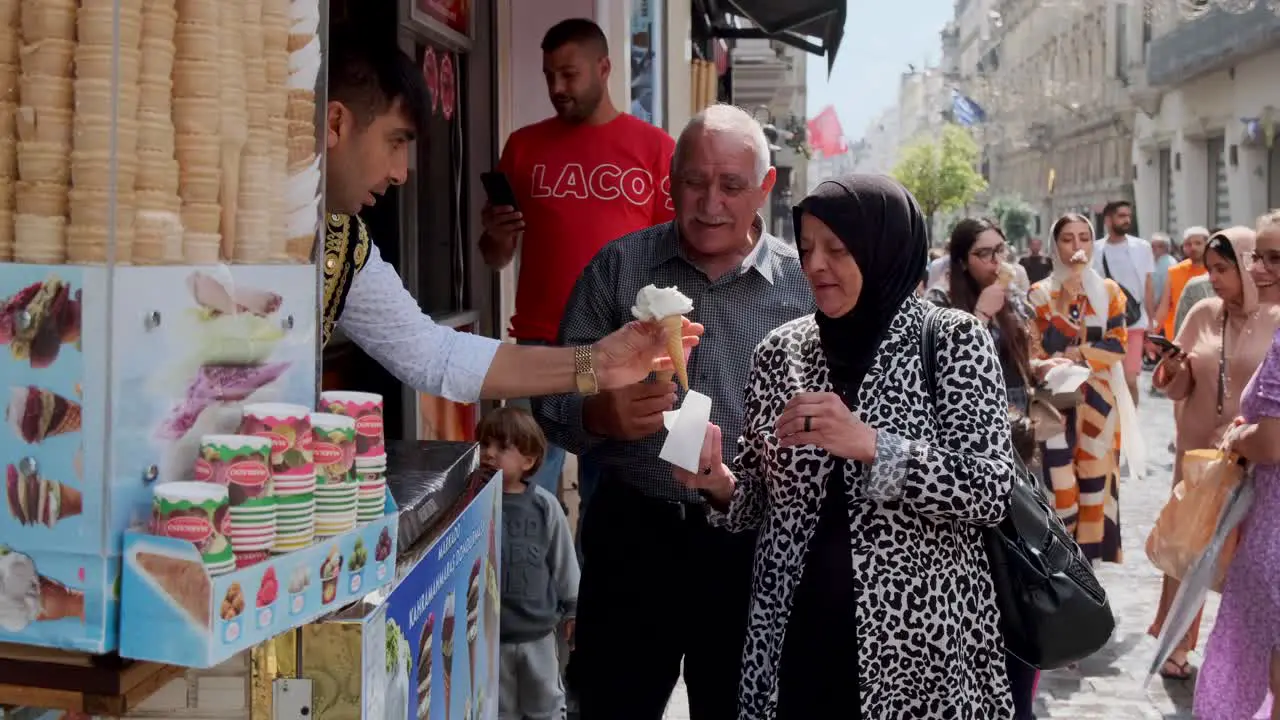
point(808, 426)
point(706, 471)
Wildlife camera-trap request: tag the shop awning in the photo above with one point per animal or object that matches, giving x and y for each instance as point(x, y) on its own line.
point(815, 26)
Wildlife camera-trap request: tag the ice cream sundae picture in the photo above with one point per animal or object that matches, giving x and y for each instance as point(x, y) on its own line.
point(36, 414)
point(446, 650)
point(34, 500)
point(38, 320)
point(399, 658)
point(424, 667)
point(26, 596)
point(228, 339)
point(473, 622)
point(667, 306)
point(330, 569)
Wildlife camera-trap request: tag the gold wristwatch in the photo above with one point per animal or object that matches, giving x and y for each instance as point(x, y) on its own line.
point(584, 370)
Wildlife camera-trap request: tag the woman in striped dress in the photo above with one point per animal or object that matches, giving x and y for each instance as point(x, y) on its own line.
point(1080, 319)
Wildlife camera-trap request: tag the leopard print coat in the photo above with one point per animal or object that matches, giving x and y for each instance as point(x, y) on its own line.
point(929, 644)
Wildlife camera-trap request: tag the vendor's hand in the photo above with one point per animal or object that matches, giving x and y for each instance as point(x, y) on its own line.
point(822, 419)
point(991, 300)
point(713, 477)
point(629, 413)
point(502, 223)
point(629, 354)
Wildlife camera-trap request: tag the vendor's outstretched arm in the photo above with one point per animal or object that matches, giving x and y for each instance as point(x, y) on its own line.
point(384, 319)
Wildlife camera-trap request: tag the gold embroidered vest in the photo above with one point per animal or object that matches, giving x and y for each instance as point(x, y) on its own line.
point(344, 256)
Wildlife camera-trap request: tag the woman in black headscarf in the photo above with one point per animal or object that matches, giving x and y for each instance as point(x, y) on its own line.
point(872, 596)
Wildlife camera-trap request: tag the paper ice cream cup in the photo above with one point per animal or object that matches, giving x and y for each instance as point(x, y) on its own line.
point(335, 447)
point(366, 410)
point(241, 463)
point(288, 427)
point(197, 513)
point(247, 559)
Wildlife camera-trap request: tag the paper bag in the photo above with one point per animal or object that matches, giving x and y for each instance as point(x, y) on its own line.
point(1185, 525)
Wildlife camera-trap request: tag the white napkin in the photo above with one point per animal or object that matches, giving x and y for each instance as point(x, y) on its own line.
point(1066, 378)
point(686, 429)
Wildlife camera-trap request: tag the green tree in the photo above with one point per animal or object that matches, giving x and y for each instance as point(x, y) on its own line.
point(1015, 216)
point(941, 172)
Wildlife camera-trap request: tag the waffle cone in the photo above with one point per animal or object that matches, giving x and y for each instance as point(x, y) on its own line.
point(69, 504)
point(64, 416)
point(57, 601)
point(673, 328)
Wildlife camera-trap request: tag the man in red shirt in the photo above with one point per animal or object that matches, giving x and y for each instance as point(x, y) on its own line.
point(582, 178)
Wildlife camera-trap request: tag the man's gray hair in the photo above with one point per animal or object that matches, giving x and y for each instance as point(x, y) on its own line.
point(727, 118)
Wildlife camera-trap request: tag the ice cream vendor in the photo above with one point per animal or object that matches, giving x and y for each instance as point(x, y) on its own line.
point(376, 106)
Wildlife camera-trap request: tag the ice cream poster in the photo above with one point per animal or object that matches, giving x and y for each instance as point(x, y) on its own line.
point(56, 587)
point(439, 655)
point(177, 614)
point(192, 345)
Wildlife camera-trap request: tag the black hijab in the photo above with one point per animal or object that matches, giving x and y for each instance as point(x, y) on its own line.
point(881, 225)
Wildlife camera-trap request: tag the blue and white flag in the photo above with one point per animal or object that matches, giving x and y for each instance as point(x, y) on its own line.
point(965, 111)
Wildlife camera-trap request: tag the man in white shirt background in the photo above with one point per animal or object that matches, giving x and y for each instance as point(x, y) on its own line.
point(1128, 260)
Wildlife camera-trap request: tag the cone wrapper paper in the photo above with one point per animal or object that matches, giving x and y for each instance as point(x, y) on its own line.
point(686, 429)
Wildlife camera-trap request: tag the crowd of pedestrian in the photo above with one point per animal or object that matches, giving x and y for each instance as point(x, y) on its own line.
point(874, 405)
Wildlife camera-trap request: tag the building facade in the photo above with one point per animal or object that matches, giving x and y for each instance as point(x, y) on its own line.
point(1054, 80)
point(1204, 142)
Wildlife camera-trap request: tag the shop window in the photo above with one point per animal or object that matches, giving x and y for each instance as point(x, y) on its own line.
point(1168, 206)
point(439, 188)
point(648, 92)
point(1219, 197)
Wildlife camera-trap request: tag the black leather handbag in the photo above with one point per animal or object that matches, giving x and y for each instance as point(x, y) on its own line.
point(1053, 611)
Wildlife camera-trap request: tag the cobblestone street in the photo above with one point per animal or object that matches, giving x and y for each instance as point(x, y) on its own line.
point(1109, 684)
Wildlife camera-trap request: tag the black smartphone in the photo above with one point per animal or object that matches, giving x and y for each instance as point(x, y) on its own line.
point(1165, 346)
point(499, 189)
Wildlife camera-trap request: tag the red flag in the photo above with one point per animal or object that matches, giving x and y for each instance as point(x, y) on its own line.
point(825, 134)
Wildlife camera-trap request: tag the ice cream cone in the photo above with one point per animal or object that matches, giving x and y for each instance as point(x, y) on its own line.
point(64, 416)
point(673, 327)
point(58, 602)
point(1004, 275)
point(69, 502)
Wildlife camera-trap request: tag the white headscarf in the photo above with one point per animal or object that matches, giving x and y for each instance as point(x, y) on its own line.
point(1095, 288)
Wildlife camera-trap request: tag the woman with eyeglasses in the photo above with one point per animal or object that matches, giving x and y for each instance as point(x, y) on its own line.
point(982, 284)
point(1242, 657)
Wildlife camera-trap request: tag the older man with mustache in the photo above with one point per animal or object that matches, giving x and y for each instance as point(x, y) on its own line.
point(662, 589)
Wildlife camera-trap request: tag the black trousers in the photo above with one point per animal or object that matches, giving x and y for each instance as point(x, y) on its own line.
point(659, 586)
point(1022, 683)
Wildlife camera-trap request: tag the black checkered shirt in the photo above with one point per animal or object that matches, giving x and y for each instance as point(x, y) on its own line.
point(738, 310)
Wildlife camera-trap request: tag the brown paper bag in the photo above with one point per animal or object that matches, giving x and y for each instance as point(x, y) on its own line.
point(1186, 524)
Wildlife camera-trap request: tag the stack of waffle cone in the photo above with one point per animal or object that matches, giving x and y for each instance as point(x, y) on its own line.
point(157, 222)
point(105, 130)
point(256, 189)
point(197, 118)
point(235, 120)
point(36, 170)
point(275, 60)
point(10, 42)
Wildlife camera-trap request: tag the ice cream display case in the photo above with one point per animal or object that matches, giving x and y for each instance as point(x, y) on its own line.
point(160, 201)
point(428, 646)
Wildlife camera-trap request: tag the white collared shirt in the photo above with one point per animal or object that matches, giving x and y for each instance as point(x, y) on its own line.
point(385, 321)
